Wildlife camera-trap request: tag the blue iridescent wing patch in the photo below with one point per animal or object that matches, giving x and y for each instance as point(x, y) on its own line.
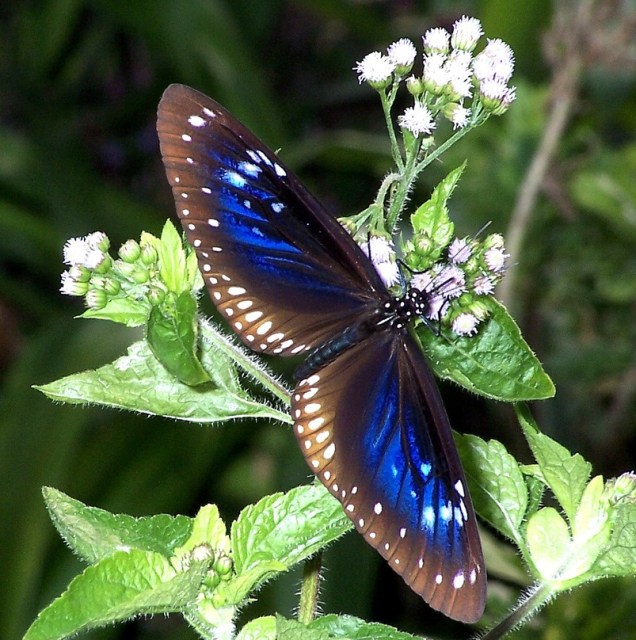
point(277, 266)
point(367, 414)
point(373, 429)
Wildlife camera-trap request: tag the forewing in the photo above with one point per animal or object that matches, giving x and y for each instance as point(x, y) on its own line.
point(283, 272)
point(373, 428)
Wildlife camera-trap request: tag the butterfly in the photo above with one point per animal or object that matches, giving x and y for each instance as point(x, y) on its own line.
point(367, 414)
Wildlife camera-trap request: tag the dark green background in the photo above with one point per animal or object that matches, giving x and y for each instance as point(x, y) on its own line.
point(78, 152)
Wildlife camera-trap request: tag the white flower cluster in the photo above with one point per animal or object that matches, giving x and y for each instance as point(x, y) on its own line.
point(451, 76)
point(454, 286)
point(382, 254)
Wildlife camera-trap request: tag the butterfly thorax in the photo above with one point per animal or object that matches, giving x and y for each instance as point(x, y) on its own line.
point(393, 315)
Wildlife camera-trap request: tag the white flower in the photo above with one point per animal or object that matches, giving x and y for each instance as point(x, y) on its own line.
point(450, 282)
point(459, 251)
point(389, 272)
point(93, 258)
point(417, 119)
point(435, 75)
point(402, 53)
point(466, 33)
point(75, 251)
point(436, 41)
point(378, 249)
point(98, 240)
point(483, 285)
point(375, 69)
point(460, 117)
point(69, 285)
point(495, 62)
point(459, 74)
point(495, 258)
point(465, 324)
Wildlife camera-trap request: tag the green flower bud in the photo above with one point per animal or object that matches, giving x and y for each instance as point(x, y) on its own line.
point(96, 299)
point(224, 565)
point(415, 86)
point(80, 273)
point(148, 254)
point(156, 295)
point(129, 251)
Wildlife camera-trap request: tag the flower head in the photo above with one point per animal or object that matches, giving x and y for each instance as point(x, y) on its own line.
point(435, 74)
point(459, 251)
point(466, 33)
point(75, 251)
point(402, 54)
point(483, 285)
point(436, 41)
point(465, 324)
point(495, 62)
point(375, 69)
point(417, 119)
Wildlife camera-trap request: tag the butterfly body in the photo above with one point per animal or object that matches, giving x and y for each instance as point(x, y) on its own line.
point(367, 414)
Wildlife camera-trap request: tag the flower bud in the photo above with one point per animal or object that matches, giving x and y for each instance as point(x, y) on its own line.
point(129, 251)
point(96, 299)
point(148, 254)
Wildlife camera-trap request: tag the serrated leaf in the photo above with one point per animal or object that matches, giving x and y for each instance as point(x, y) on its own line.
point(119, 587)
point(95, 534)
point(496, 363)
point(565, 474)
point(287, 527)
point(293, 630)
point(496, 484)
point(352, 628)
point(172, 337)
point(620, 557)
point(126, 311)
point(259, 629)
point(235, 590)
point(139, 382)
point(549, 542)
point(432, 217)
point(172, 259)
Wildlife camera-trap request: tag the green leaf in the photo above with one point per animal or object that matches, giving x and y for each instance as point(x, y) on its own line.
point(620, 557)
point(207, 528)
point(138, 382)
point(565, 474)
point(549, 542)
point(259, 629)
point(287, 527)
point(172, 337)
point(126, 311)
point(95, 534)
point(496, 484)
point(172, 260)
point(432, 217)
point(338, 626)
point(124, 585)
point(496, 363)
point(236, 589)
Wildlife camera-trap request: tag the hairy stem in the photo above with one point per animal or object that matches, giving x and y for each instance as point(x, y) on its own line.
point(525, 608)
point(245, 361)
point(310, 589)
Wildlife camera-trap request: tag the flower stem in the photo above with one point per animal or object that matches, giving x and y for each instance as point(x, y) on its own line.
point(528, 605)
point(387, 103)
point(245, 361)
point(310, 589)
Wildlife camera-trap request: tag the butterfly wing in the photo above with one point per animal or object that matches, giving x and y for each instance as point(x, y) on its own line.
point(373, 428)
point(283, 272)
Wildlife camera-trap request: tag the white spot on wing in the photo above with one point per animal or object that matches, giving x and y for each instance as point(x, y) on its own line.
point(196, 121)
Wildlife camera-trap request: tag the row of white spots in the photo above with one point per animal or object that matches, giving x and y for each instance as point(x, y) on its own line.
point(258, 156)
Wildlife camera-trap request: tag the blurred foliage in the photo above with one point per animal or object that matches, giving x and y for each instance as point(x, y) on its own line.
point(81, 81)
